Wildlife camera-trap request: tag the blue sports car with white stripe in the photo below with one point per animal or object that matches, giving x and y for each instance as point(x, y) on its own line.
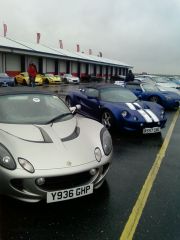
point(118, 108)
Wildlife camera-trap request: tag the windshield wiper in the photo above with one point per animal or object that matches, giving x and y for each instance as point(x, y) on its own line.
point(136, 100)
point(58, 117)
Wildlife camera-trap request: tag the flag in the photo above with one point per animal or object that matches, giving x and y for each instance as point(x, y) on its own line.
point(38, 37)
point(61, 44)
point(78, 48)
point(90, 51)
point(5, 29)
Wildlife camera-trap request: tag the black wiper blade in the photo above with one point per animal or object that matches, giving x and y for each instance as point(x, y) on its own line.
point(58, 117)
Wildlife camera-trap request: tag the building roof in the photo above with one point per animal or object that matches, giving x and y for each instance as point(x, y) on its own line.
point(17, 46)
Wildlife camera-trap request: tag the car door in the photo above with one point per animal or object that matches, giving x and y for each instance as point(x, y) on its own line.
point(89, 101)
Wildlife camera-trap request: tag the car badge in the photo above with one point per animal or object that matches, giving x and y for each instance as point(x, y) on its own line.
point(68, 163)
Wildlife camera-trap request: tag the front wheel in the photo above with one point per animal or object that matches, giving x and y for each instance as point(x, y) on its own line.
point(46, 81)
point(107, 120)
point(24, 83)
point(69, 102)
point(154, 99)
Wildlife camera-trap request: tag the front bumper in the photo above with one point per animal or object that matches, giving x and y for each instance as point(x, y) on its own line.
point(22, 185)
point(6, 84)
point(139, 126)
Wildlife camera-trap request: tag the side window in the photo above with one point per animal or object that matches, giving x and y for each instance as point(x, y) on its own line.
point(92, 92)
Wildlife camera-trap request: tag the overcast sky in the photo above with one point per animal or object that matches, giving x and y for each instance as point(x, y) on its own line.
point(143, 33)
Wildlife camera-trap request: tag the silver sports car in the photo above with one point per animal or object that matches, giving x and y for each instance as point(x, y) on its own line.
point(46, 151)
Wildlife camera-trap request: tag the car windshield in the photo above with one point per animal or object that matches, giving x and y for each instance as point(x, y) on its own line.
point(150, 87)
point(161, 79)
point(68, 75)
point(117, 95)
point(25, 74)
point(32, 108)
point(2, 75)
point(49, 75)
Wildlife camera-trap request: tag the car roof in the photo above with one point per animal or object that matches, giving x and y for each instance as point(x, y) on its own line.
point(23, 90)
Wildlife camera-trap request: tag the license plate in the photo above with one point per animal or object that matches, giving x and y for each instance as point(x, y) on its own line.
point(151, 130)
point(71, 193)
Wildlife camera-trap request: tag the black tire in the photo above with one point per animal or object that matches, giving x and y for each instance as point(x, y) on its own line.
point(107, 119)
point(46, 81)
point(24, 83)
point(155, 99)
point(65, 80)
point(69, 101)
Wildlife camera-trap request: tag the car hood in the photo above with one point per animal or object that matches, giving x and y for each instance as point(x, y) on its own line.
point(145, 111)
point(73, 78)
point(61, 145)
point(132, 105)
point(6, 79)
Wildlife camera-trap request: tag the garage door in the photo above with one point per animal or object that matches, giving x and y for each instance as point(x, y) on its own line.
point(13, 64)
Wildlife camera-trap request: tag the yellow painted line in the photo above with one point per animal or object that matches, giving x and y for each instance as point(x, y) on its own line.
point(136, 213)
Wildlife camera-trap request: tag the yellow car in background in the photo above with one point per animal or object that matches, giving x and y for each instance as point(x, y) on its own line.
point(23, 78)
point(49, 78)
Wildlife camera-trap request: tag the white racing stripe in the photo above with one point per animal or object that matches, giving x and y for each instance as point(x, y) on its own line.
point(131, 106)
point(145, 115)
point(153, 116)
point(137, 104)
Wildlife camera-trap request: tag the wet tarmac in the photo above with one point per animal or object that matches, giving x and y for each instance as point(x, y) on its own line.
point(103, 215)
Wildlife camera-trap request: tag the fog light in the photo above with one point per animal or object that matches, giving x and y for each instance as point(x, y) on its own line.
point(93, 171)
point(6, 159)
point(40, 181)
point(141, 124)
point(97, 153)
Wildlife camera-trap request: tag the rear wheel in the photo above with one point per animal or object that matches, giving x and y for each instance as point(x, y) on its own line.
point(107, 119)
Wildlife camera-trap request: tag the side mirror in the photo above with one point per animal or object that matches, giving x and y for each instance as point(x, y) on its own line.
point(74, 109)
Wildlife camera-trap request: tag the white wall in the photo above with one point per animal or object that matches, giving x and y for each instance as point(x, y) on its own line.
point(50, 65)
point(13, 62)
point(74, 67)
point(97, 69)
point(83, 68)
point(1, 63)
point(62, 66)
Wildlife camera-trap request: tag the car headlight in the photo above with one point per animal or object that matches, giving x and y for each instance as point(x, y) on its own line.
point(168, 97)
point(106, 141)
point(162, 113)
point(26, 165)
point(124, 113)
point(6, 159)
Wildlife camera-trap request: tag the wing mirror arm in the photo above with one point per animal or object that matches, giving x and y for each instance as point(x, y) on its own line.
point(75, 108)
